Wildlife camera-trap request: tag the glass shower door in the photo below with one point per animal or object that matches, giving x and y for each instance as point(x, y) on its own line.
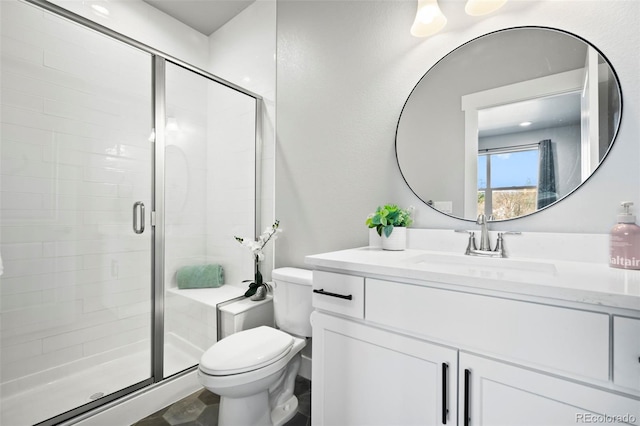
point(76, 172)
point(210, 196)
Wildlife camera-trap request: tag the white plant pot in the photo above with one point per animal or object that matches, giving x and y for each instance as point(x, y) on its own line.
point(375, 240)
point(396, 241)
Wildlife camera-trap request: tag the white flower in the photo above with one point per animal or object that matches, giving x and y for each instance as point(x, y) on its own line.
point(251, 245)
point(257, 245)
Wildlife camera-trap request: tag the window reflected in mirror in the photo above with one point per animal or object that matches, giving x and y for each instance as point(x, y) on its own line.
point(508, 182)
point(529, 154)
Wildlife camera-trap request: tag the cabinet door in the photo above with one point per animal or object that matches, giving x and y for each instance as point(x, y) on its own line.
point(493, 394)
point(626, 352)
point(367, 376)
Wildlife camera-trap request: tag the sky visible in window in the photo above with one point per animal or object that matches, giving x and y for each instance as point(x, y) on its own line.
point(509, 169)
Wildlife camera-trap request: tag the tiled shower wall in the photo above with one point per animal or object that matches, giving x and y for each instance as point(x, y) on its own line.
point(185, 170)
point(209, 175)
point(77, 280)
point(76, 117)
point(210, 192)
point(231, 181)
point(243, 51)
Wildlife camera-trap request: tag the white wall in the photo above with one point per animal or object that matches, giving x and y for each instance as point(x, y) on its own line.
point(243, 52)
point(345, 69)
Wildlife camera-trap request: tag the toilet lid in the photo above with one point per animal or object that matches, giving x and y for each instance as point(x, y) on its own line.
point(245, 351)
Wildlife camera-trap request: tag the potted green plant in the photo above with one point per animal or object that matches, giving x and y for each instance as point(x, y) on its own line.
point(388, 218)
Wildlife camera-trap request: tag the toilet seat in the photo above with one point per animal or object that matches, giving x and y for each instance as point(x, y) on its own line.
point(246, 351)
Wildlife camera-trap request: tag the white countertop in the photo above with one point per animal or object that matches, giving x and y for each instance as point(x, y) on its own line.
point(592, 283)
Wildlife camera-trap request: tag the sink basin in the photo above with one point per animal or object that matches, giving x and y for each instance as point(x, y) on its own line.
point(489, 267)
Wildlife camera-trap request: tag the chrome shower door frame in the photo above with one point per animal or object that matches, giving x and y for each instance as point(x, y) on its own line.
point(158, 139)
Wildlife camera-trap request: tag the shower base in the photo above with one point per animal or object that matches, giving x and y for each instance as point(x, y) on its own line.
point(50, 393)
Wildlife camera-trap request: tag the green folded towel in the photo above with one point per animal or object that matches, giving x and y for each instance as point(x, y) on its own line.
point(200, 276)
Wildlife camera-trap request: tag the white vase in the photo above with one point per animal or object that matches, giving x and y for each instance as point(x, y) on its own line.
point(375, 240)
point(397, 240)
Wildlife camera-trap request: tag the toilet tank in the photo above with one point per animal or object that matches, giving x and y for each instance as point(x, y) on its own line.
point(292, 300)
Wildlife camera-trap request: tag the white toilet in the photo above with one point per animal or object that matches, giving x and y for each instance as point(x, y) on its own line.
point(254, 370)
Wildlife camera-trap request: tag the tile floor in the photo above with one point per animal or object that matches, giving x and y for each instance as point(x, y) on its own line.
point(201, 409)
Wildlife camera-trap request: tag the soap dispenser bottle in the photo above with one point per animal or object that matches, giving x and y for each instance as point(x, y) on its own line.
point(624, 245)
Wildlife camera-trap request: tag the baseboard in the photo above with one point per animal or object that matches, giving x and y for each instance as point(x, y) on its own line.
point(305, 367)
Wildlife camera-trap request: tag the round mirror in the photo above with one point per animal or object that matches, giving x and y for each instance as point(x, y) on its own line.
point(508, 123)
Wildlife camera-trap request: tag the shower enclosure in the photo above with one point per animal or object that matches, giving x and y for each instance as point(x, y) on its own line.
point(119, 165)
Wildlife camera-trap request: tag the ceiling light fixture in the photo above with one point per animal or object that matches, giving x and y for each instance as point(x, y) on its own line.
point(429, 19)
point(483, 7)
point(100, 10)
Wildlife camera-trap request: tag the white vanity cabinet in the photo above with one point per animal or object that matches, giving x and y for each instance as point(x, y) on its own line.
point(367, 376)
point(626, 352)
point(414, 352)
point(495, 393)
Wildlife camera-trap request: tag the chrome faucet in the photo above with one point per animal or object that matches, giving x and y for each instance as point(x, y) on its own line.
point(485, 243)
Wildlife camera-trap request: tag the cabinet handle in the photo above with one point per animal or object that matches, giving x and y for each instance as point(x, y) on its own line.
point(445, 410)
point(341, 296)
point(467, 377)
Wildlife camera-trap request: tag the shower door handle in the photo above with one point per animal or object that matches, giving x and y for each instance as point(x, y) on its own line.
point(138, 212)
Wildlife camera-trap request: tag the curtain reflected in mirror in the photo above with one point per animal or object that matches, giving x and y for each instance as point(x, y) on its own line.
point(547, 175)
